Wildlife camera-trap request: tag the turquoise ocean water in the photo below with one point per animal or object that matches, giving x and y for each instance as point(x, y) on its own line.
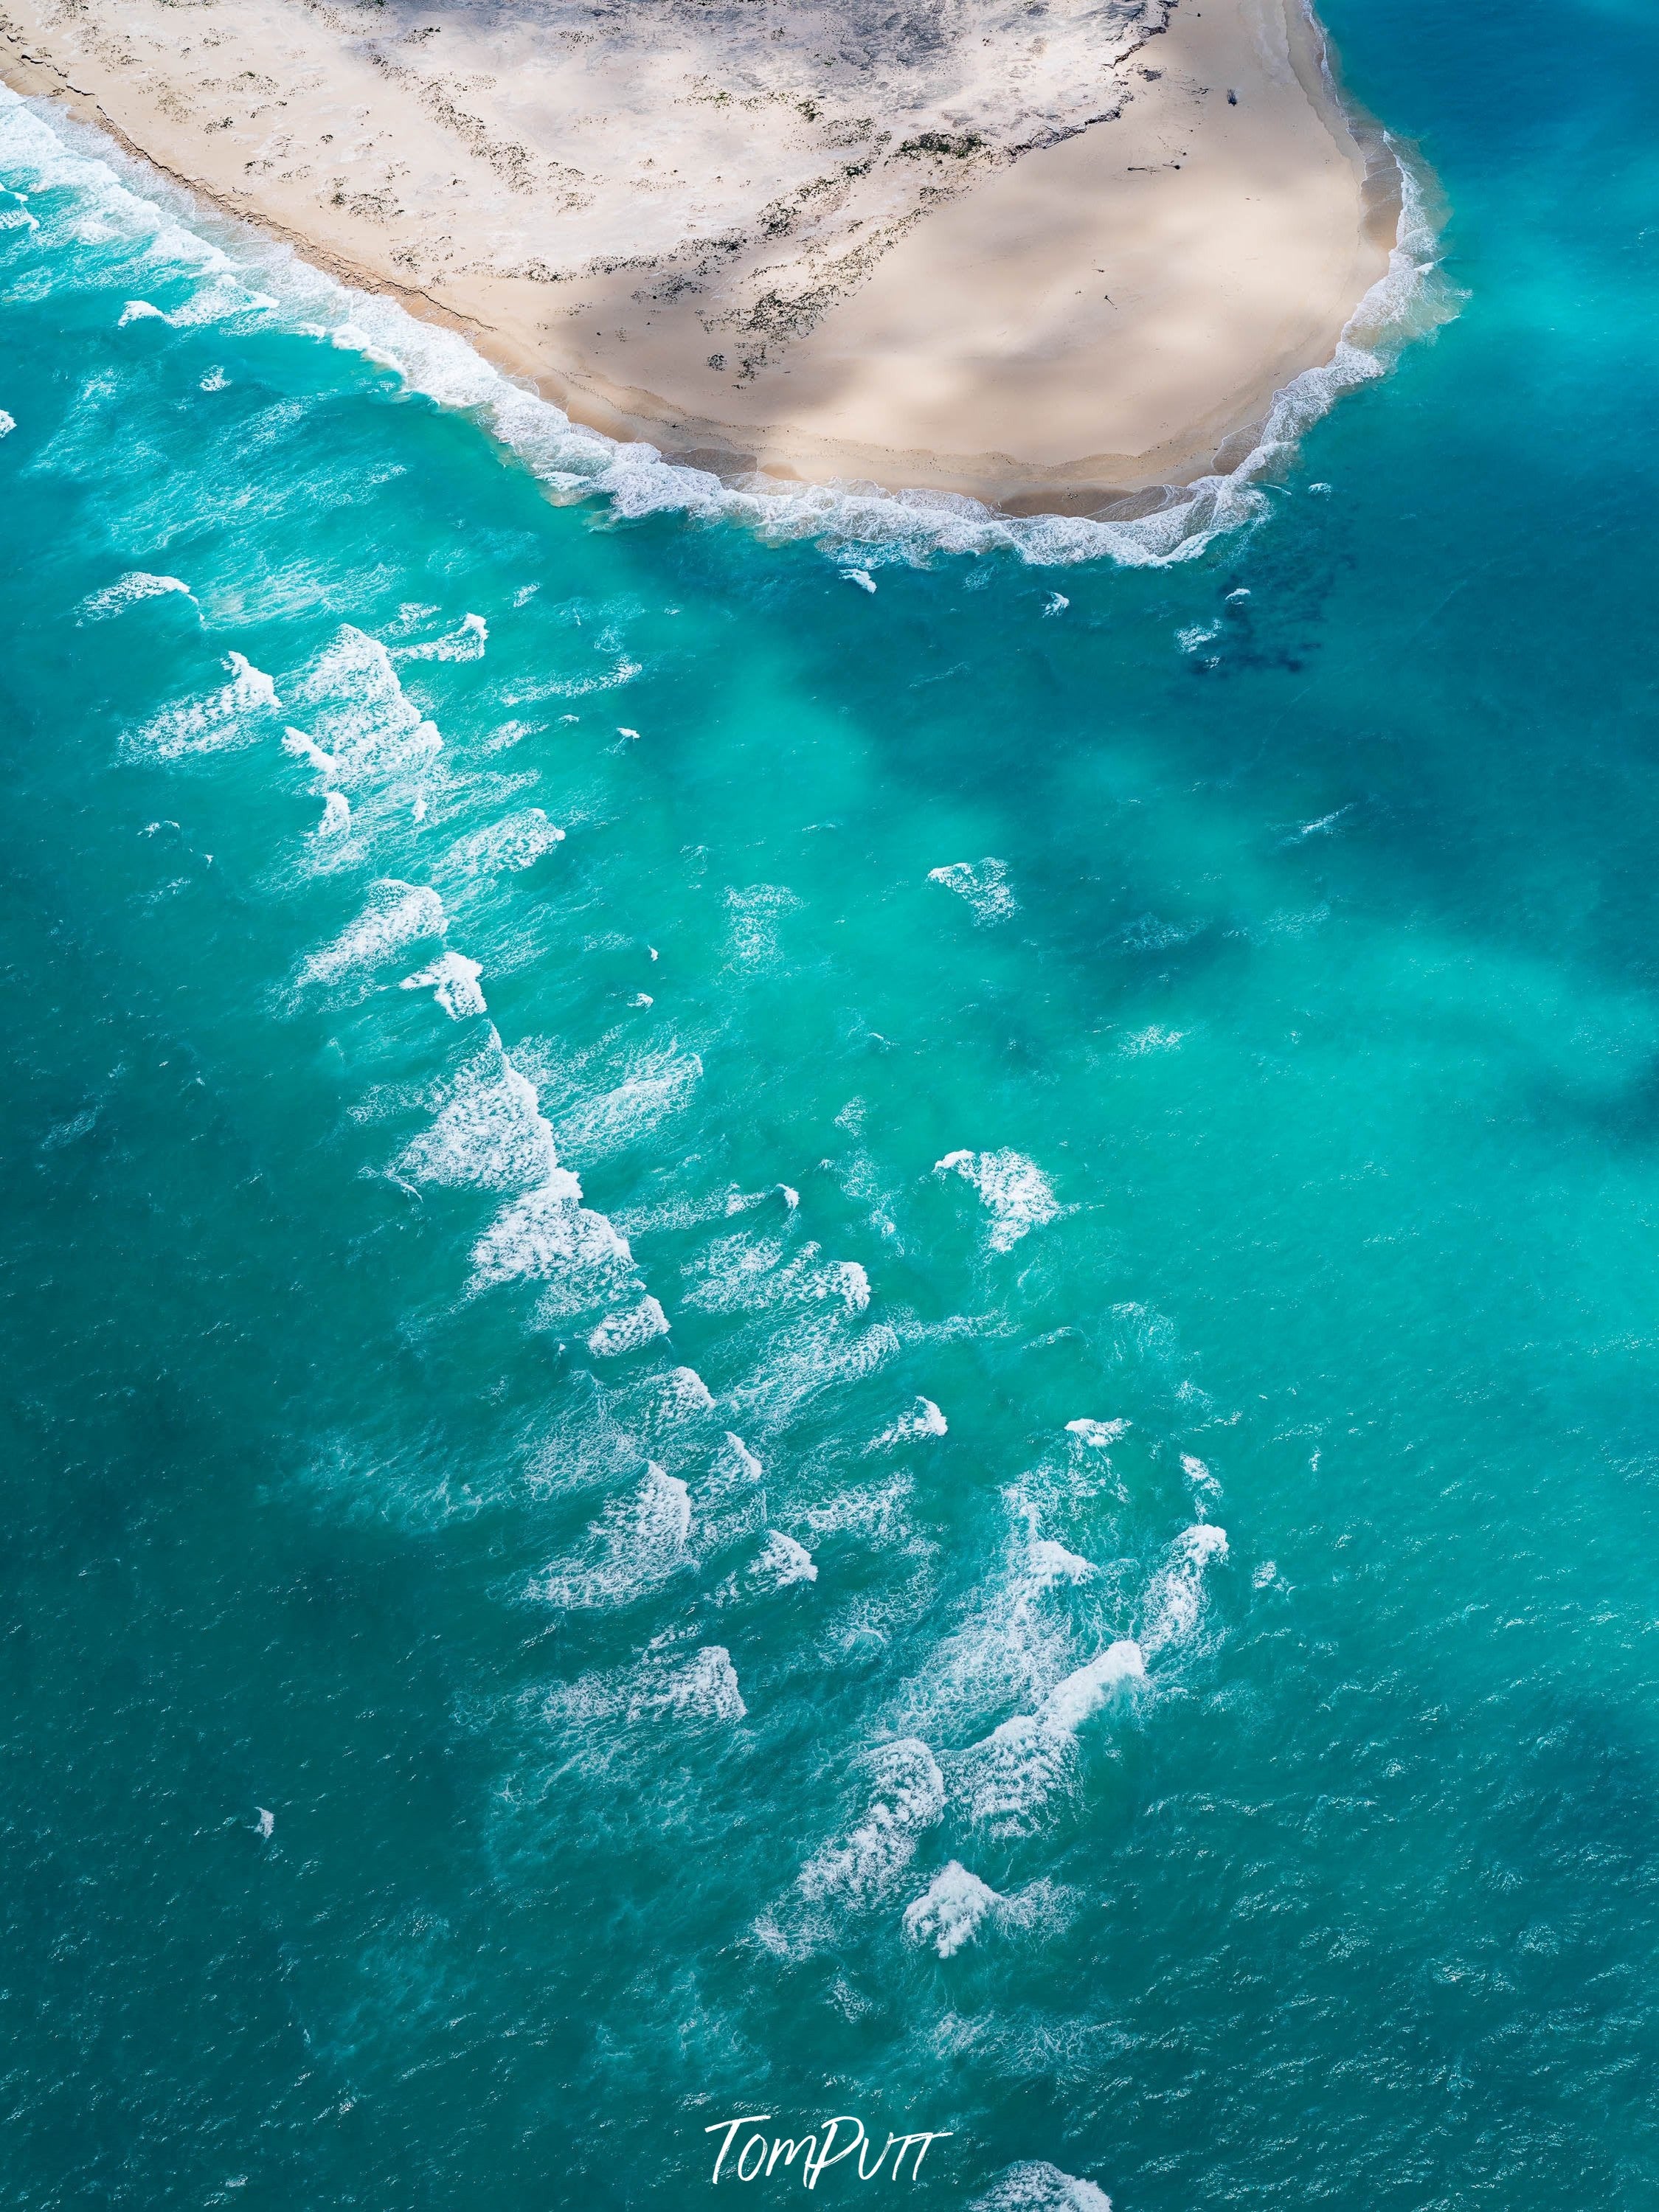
point(776, 1348)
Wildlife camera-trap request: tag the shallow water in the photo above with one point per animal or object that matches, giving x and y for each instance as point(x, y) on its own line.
point(653, 1197)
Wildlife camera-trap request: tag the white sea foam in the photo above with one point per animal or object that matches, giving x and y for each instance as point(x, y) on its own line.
point(654, 1409)
point(1205, 1490)
point(923, 1419)
point(233, 715)
point(1150, 934)
point(782, 1562)
point(1174, 1601)
point(104, 211)
point(1013, 1190)
point(1016, 1641)
point(626, 1330)
point(620, 672)
point(452, 979)
point(222, 297)
point(548, 1235)
point(1009, 1778)
point(1143, 1333)
point(306, 748)
point(728, 1275)
point(137, 584)
point(756, 912)
point(861, 1868)
point(638, 1545)
point(140, 310)
point(395, 915)
point(356, 707)
point(337, 815)
point(982, 884)
point(70, 1132)
point(816, 1354)
point(466, 641)
point(507, 734)
point(1086, 1689)
point(488, 1132)
point(749, 1275)
point(745, 1201)
point(702, 1686)
point(949, 1914)
point(730, 1498)
point(1034, 2186)
point(503, 848)
point(736, 1466)
point(705, 1689)
point(1283, 922)
point(410, 614)
point(658, 1083)
point(1326, 824)
point(874, 1511)
point(673, 1396)
point(8, 423)
point(1098, 1434)
point(1048, 1563)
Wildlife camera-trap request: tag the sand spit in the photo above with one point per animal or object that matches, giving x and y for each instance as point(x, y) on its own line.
point(1047, 255)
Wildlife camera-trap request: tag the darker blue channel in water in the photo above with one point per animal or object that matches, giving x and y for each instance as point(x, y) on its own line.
point(616, 1391)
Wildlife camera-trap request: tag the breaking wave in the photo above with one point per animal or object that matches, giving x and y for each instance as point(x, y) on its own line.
point(1034, 2186)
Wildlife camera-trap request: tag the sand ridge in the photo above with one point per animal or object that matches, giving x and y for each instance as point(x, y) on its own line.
point(1047, 253)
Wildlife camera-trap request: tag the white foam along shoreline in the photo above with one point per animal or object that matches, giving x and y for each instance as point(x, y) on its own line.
point(252, 275)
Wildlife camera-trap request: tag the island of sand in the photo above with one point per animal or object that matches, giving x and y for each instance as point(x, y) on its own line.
point(1047, 252)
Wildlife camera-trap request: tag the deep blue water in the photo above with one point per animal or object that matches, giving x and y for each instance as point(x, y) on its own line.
point(609, 1453)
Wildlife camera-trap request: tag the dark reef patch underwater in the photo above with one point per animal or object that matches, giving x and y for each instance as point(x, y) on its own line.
point(778, 1348)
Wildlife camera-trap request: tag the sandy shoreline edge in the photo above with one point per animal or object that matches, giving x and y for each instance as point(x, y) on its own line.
point(888, 353)
point(1105, 484)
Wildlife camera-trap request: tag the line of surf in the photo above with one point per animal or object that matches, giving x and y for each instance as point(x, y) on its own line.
point(635, 480)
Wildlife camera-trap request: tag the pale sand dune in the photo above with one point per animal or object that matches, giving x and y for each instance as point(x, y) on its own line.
point(1034, 253)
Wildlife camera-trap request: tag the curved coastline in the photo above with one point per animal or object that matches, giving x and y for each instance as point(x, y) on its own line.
point(1021, 477)
point(1213, 404)
point(434, 355)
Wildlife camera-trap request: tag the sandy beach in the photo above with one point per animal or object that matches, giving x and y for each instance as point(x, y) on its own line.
point(1050, 257)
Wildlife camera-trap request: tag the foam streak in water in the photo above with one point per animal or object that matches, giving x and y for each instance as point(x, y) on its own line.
point(1014, 1191)
point(1008, 1779)
point(233, 715)
point(1034, 2186)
